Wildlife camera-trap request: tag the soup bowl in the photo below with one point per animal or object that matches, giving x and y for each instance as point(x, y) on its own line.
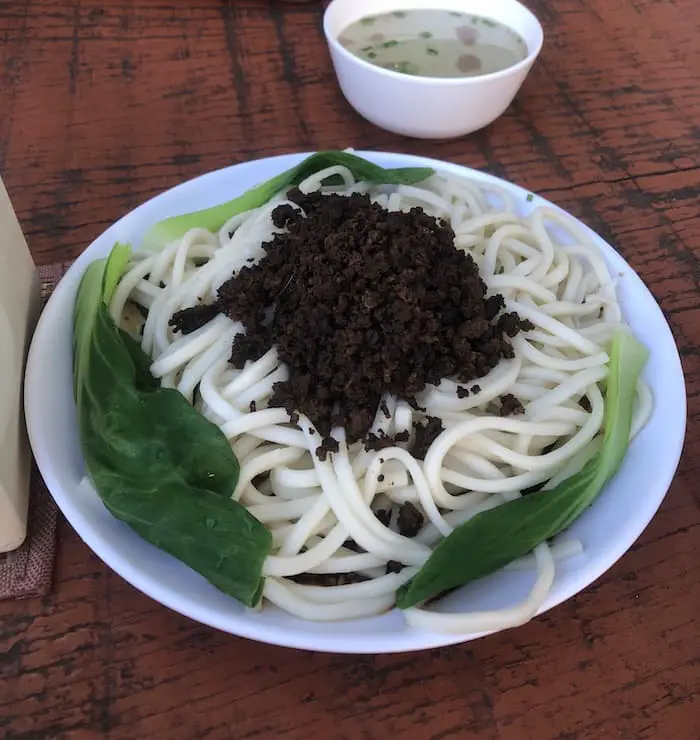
point(429, 107)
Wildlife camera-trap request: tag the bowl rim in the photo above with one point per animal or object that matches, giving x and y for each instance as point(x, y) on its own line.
point(409, 639)
point(389, 74)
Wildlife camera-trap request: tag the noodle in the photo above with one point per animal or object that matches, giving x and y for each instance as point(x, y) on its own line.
point(312, 506)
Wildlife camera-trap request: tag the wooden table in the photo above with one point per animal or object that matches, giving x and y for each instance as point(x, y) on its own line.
point(105, 103)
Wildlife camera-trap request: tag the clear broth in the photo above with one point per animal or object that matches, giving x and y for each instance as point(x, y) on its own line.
point(434, 43)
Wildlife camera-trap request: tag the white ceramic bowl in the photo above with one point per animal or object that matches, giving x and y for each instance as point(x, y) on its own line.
point(429, 107)
point(606, 530)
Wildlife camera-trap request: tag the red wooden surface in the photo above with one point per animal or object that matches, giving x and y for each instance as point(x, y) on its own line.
point(103, 104)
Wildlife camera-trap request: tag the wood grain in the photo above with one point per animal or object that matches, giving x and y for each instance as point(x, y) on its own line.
point(104, 104)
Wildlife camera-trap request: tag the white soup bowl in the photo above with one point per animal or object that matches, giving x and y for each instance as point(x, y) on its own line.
point(429, 107)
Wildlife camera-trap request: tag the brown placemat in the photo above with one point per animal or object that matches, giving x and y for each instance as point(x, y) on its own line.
point(28, 570)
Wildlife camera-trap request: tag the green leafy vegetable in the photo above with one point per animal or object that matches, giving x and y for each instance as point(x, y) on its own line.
point(494, 538)
point(155, 461)
point(214, 218)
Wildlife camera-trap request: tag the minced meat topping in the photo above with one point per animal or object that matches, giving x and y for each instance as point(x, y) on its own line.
point(360, 301)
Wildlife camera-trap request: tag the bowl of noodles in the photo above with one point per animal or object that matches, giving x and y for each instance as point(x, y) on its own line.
point(372, 403)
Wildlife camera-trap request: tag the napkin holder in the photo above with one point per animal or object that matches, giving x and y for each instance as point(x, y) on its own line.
point(19, 308)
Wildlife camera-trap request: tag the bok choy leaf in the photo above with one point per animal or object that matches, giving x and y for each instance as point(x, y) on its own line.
point(215, 217)
point(155, 461)
point(494, 538)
